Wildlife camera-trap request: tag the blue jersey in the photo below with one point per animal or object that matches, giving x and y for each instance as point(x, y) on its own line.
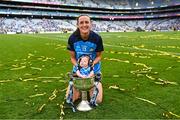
point(86, 47)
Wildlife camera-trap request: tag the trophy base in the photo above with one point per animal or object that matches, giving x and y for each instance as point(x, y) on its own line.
point(84, 106)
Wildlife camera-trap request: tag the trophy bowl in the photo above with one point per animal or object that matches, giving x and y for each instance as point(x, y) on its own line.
point(83, 85)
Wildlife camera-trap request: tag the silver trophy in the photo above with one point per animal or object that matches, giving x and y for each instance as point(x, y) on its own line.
point(83, 85)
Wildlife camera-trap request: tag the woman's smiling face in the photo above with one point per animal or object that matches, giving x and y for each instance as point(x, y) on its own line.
point(84, 24)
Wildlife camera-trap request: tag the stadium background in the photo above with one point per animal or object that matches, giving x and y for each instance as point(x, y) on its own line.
point(33, 16)
point(140, 69)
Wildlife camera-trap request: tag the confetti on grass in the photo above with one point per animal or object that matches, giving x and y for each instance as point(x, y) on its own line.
point(4, 81)
point(27, 74)
point(113, 87)
point(49, 77)
point(47, 81)
point(166, 114)
point(145, 100)
point(37, 95)
point(115, 76)
point(41, 108)
point(30, 55)
point(141, 64)
point(29, 79)
point(35, 68)
point(18, 68)
point(150, 77)
point(148, 70)
point(170, 115)
point(39, 79)
point(165, 82)
point(117, 60)
point(53, 96)
point(62, 113)
point(116, 87)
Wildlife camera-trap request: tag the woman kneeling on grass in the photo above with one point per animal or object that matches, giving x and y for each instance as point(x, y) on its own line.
point(85, 42)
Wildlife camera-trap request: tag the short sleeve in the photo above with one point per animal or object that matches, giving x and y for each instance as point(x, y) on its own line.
point(100, 46)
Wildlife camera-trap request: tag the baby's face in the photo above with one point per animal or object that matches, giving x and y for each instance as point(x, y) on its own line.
point(84, 62)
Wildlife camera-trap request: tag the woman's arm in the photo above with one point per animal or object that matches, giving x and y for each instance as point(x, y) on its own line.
point(73, 57)
point(98, 58)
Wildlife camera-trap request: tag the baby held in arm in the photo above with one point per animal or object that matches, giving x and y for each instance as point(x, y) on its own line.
point(85, 70)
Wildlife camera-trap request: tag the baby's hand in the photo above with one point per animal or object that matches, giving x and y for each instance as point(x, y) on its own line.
point(84, 76)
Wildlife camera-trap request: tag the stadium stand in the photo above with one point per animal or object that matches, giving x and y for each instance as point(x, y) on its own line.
point(36, 16)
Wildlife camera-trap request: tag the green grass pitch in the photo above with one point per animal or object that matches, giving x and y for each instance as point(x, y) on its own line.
point(140, 76)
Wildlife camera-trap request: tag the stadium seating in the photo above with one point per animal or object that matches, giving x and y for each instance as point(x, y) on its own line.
point(47, 25)
point(113, 4)
point(146, 15)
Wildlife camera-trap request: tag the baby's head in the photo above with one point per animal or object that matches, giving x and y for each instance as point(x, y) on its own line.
point(84, 61)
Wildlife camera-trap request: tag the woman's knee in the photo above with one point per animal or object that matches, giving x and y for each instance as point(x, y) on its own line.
point(99, 98)
point(76, 94)
point(100, 95)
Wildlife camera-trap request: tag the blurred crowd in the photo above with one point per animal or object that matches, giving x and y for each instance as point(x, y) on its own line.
point(138, 25)
point(27, 25)
point(113, 4)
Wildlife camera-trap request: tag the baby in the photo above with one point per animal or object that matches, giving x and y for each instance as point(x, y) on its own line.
point(85, 70)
